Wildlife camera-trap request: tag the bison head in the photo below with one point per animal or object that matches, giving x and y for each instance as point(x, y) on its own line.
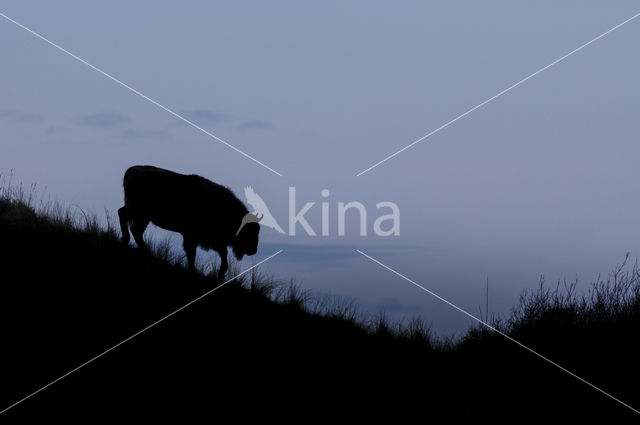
point(246, 239)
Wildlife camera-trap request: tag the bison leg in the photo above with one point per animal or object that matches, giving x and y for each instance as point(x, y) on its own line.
point(124, 225)
point(190, 249)
point(137, 228)
point(224, 265)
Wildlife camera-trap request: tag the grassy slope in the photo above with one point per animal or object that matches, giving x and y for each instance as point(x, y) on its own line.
point(67, 294)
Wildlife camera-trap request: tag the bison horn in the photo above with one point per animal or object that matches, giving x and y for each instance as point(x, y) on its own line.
point(249, 218)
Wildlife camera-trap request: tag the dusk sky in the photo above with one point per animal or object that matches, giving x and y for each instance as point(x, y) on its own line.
point(541, 181)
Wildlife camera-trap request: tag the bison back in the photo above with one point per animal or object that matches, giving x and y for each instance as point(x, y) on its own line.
point(179, 202)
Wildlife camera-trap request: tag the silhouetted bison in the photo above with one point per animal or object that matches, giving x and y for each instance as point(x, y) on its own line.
point(205, 213)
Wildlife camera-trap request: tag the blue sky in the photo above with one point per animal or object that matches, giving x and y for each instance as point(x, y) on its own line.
point(541, 181)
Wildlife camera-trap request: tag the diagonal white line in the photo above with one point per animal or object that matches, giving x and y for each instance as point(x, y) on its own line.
point(137, 333)
point(175, 114)
point(497, 331)
point(496, 96)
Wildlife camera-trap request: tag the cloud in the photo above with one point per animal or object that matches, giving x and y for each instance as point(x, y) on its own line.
point(339, 253)
point(318, 253)
point(122, 123)
point(254, 125)
point(142, 133)
point(394, 305)
point(204, 116)
point(20, 116)
point(106, 119)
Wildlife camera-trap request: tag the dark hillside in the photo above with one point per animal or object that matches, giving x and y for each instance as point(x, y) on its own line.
point(69, 292)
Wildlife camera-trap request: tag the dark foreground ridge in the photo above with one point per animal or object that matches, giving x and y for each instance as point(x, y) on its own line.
point(69, 292)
